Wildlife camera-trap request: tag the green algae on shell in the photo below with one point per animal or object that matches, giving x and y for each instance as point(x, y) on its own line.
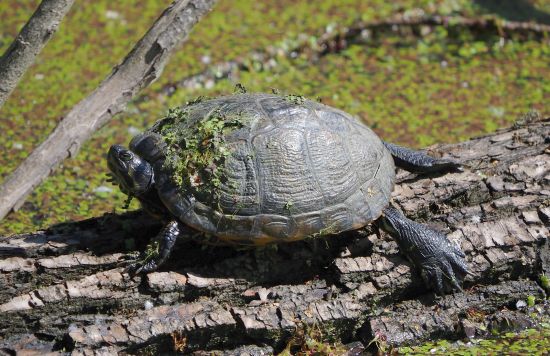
point(196, 152)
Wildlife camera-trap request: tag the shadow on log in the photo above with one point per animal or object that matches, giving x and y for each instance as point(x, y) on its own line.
point(66, 289)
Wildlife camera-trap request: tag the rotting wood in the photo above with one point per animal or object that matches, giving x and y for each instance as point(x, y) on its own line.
point(29, 42)
point(143, 64)
point(66, 288)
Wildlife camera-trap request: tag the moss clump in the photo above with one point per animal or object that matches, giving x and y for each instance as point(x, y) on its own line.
point(295, 99)
point(196, 151)
point(197, 100)
point(313, 340)
point(152, 251)
point(331, 229)
point(527, 342)
point(545, 282)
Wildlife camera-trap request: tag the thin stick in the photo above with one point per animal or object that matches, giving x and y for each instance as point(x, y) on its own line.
point(29, 42)
point(141, 66)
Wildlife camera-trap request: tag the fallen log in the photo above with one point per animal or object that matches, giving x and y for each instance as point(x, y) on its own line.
point(66, 289)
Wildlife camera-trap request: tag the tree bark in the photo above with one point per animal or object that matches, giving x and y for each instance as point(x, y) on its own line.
point(29, 42)
point(66, 289)
point(141, 66)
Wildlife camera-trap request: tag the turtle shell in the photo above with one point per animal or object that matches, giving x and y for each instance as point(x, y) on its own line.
point(262, 168)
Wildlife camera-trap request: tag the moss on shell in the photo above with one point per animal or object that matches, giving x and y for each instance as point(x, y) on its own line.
point(196, 152)
point(295, 99)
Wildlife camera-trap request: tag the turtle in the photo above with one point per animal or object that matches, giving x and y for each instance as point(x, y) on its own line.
point(257, 168)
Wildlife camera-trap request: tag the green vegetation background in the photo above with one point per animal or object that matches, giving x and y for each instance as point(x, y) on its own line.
point(414, 92)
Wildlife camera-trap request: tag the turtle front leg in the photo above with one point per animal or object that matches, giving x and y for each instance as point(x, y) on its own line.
point(441, 263)
point(158, 250)
point(419, 162)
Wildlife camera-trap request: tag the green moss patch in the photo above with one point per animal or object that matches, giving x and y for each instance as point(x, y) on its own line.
point(196, 153)
point(528, 342)
point(295, 99)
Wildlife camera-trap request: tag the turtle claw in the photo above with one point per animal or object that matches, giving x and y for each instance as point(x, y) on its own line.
point(157, 251)
point(440, 262)
point(138, 267)
point(440, 279)
point(131, 269)
point(432, 278)
point(446, 165)
point(456, 286)
point(445, 272)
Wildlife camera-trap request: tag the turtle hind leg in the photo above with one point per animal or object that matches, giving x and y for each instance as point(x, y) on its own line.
point(419, 162)
point(440, 262)
point(159, 250)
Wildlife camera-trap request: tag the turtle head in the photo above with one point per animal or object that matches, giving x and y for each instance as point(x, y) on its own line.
point(132, 173)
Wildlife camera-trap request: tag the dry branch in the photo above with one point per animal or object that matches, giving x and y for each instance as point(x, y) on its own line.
point(66, 287)
point(141, 66)
point(415, 23)
point(29, 42)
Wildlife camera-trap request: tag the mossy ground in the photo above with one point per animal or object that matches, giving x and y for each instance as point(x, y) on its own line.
point(528, 342)
point(313, 341)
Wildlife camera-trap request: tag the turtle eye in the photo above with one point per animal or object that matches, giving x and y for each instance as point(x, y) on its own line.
point(125, 156)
